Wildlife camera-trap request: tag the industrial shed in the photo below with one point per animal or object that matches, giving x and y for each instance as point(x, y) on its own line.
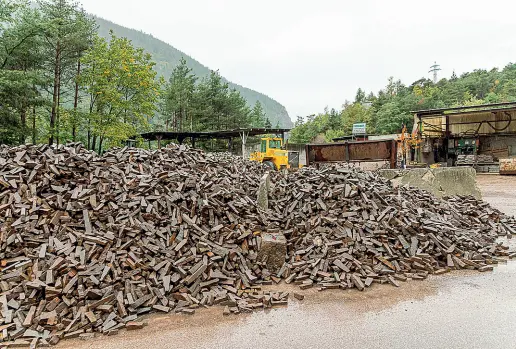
point(477, 136)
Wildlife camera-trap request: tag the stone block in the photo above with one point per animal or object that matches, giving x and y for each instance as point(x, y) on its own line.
point(273, 250)
point(263, 192)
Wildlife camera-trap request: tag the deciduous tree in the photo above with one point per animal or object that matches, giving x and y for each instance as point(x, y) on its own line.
point(123, 90)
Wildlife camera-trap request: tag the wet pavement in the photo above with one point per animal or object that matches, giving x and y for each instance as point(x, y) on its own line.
point(458, 310)
point(499, 191)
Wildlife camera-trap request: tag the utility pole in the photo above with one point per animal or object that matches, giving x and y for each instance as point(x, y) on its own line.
point(434, 69)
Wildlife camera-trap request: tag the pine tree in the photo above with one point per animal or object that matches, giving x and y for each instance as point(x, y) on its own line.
point(257, 115)
point(68, 32)
point(360, 96)
point(178, 98)
point(267, 123)
point(21, 79)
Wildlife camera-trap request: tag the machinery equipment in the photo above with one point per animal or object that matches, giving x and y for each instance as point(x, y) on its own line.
point(407, 144)
point(273, 154)
point(466, 146)
point(461, 148)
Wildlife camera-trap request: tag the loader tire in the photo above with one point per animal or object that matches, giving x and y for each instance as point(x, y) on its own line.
point(270, 165)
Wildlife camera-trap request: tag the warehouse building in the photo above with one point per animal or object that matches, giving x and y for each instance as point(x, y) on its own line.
point(483, 136)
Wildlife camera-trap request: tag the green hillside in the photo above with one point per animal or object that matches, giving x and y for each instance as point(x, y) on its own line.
point(167, 57)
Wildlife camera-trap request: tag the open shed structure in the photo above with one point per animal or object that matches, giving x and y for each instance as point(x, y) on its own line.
point(229, 135)
point(486, 131)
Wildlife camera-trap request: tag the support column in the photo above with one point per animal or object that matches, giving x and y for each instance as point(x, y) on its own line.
point(159, 141)
point(243, 136)
point(447, 137)
point(420, 138)
point(394, 154)
point(193, 142)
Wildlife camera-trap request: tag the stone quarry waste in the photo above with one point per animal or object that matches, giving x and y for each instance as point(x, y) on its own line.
point(89, 243)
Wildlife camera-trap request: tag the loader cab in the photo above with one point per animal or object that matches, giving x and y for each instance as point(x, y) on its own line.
point(273, 154)
point(271, 143)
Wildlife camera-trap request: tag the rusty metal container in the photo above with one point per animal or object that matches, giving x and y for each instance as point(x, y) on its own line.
point(363, 151)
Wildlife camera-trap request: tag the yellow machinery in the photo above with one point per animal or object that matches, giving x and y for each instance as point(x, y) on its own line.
point(406, 142)
point(273, 154)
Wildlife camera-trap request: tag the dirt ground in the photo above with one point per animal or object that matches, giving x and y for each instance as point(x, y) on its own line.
point(458, 310)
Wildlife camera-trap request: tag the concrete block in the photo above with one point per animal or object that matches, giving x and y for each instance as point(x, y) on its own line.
point(446, 181)
point(273, 250)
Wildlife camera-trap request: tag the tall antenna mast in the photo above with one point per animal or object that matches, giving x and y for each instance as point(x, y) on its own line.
point(434, 69)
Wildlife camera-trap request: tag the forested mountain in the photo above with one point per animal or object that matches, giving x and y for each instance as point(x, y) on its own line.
point(386, 111)
point(167, 57)
point(60, 81)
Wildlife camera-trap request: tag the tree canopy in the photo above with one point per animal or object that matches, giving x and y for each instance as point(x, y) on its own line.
point(122, 89)
point(206, 104)
point(60, 82)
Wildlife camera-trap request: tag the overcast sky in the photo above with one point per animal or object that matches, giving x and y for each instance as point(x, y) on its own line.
point(310, 54)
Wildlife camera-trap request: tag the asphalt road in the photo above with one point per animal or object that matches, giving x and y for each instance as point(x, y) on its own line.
point(457, 310)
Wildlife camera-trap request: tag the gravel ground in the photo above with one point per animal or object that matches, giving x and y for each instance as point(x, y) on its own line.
point(459, 310)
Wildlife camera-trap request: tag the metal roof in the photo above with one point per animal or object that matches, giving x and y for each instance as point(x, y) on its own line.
point(165, 135)
point(481, 108)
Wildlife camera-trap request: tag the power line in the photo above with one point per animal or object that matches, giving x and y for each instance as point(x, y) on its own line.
point(434, 69)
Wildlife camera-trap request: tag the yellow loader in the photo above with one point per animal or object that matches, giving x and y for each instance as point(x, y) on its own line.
point(273, 154)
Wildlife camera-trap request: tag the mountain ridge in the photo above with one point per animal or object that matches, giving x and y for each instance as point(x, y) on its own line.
point(167, 57)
